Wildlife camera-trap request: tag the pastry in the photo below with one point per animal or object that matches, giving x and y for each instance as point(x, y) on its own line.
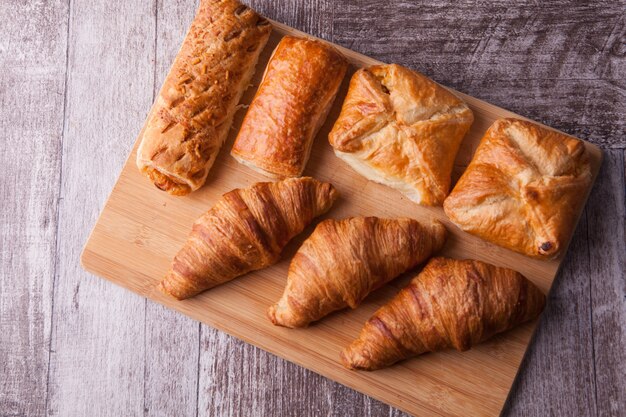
point(344, 260)
point(194, 110)
point(524, 188)
point(450, 304)
point(401, 129)
point(245, 231)
point(291, 104)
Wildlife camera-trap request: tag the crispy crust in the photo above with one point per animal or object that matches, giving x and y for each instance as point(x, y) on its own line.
point(166, 183)
point(450, 304)
point(195, 107)
point(523, 189)
point(291, 104)
point(244, 231)
point(399, 128)
point(344, 260)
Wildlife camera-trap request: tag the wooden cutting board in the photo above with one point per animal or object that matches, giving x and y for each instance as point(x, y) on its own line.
point(141, 228)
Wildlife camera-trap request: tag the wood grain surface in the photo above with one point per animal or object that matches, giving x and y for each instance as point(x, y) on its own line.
point(32, 125)
point(106, 87)
point(558, 62)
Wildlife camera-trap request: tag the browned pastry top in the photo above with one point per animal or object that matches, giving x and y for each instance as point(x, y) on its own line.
point(523, 189)
point(244, 231)
point(298, 88)
point(194, 109)
point(345, 260)
point(400, 128)
point(450, 304)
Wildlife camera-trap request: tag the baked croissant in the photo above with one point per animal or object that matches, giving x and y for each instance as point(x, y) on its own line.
point(343, 261)
point(245, 231)
point(450, 304)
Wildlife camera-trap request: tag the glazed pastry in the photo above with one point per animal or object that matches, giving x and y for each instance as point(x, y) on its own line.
point(344, 260)
point(194, 110)
point(450, 304)
point(291, 104)
point(524, 188)
point(401, 129)
point(245, 231)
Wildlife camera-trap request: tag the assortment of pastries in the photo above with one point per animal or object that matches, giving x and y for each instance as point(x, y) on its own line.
point(522, 190)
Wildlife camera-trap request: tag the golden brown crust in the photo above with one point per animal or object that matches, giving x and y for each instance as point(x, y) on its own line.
point(195, 107)
point(344, 260)
point(523, 189)
point(291, 104)
point(166, 183)
point(245, 231)
point(450, 304)
point(399, 128)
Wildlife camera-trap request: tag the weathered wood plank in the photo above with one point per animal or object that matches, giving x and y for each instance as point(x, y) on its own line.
point(238, 379)
point(33, 45)
point(171, 363)
point(97, 363)
point(314, 16)
point(172, 340)
point(557, 375)
point(607, 259)
point(561, 62)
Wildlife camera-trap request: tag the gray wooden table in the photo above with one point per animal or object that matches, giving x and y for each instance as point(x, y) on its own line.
point(77, 78)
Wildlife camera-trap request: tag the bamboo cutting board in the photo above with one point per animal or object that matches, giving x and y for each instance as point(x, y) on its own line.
point(141, 228)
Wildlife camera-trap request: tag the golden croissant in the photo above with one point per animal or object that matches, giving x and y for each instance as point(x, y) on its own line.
point(244, 231)
point(450, 304)
point(343, 261)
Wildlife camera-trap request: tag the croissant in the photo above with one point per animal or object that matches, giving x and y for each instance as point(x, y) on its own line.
point(450, 304)
point(343, 261)
point(245, 231)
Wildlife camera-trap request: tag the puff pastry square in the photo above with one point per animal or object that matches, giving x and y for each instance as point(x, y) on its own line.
point(401, 129)
point(523, 189)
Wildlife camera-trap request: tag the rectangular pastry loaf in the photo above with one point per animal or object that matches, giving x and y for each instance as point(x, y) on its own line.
point(293, 100)
point(194, 110)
